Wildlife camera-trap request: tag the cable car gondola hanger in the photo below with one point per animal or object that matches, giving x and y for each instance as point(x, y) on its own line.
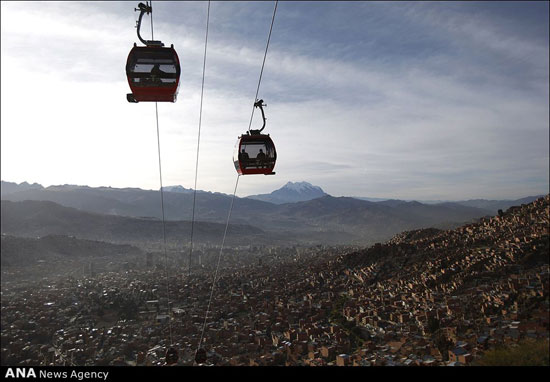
point(153, 71)
point(255, 152)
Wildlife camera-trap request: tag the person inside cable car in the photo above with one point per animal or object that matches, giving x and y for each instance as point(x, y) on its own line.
point(157, 73)
point(261, 159)
point(243, 155)
point(244, 158)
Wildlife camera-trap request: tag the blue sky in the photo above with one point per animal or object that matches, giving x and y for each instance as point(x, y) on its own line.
point(410, 100)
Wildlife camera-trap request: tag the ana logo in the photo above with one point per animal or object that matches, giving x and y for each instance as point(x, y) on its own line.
point(20, 372)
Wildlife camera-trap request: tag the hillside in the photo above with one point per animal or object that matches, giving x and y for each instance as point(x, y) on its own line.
point(373, 221)
point(26, 251)
point(518, 236)
point(452, 294)
point(41, 218)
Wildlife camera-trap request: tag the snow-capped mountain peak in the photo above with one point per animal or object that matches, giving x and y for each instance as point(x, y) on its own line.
point(301, 187)
point(292, 192)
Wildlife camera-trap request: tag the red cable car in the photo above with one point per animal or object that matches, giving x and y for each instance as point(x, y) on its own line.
point(153, 71)
point(153, 74)
point(255, 152)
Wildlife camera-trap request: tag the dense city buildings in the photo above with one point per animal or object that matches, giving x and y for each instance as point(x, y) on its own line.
point(425, 297)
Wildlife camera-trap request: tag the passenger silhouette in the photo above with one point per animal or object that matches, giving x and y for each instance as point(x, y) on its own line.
point(157, 73)
point(244, 158)
point(261, 158)
point(243, 155)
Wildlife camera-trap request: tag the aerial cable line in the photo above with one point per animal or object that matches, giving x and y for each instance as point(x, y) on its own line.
point(217, 268)
point(199, 348)
point(263, 63)
point(152, 33)
point(199, 137)
point(162, 206)
point(163, 227)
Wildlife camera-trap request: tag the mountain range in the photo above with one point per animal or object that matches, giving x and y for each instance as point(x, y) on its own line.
point(322, 220)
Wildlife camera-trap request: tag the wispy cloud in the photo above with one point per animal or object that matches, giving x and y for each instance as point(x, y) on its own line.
point(380, 99)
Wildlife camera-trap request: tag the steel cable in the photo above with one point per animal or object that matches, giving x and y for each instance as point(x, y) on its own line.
point(199, 138)
point(263, 63)
point(162, 208)
point(217, 267)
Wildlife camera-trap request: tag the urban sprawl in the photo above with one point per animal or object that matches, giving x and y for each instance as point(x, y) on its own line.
point(425, 297)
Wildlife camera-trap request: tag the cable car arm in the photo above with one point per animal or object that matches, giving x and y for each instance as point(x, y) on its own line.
point(260, 104)
point(145, 9)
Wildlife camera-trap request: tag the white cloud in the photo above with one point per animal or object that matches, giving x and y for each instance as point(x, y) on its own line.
point(354, 127)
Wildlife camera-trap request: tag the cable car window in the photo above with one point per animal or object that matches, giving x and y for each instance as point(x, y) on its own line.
point(148, 68)
point(147, 73)
point(256, 155)
point(153, 67)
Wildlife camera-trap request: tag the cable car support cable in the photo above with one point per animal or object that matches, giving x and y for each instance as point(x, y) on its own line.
point(217, 268)
point(161, 197)
point(163, 228)
point(263, 64)
point(199, 138)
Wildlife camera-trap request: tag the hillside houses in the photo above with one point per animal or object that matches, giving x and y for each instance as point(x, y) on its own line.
point(423, 298)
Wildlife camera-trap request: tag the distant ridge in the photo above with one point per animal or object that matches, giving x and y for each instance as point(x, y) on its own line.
point(317, 220)
point(495, 205)
point(491, 205)
point(10, 187)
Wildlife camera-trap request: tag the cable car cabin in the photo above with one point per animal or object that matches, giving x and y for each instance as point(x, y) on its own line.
point(153, 74)
point(255, 154)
